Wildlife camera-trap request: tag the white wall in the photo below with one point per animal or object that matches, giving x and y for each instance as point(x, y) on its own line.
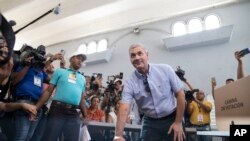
point(200, 63)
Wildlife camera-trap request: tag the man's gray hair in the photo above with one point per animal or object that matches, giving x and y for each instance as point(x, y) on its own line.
point(137, 45)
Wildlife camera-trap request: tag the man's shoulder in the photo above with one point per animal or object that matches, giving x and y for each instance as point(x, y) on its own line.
point(160, 66)
point(61, 70)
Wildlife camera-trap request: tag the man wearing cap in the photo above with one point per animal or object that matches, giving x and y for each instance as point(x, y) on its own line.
point(118, 87)
point(70, 87)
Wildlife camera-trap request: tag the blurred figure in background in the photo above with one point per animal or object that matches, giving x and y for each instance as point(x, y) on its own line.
point(95, 114)
point(199, 110)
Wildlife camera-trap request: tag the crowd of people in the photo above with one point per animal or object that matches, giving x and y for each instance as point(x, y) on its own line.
point(42, 103)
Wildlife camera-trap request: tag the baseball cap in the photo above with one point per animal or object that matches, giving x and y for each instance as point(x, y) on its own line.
point(84, 57)
point(116, 80)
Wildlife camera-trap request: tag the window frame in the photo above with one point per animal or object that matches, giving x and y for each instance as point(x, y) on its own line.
point(212, 14)
point(201, 22)
point(185, 25)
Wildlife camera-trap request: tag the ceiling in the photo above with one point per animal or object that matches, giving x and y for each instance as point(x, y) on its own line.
point(82, 18)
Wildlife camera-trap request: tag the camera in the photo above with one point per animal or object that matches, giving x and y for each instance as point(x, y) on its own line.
point(189, 94)
point(180, 73)
point(27, 51)
point(111, 81)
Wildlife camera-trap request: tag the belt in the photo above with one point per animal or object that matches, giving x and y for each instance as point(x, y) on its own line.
point(29, 98)
point(162, 118)
point(63, 105)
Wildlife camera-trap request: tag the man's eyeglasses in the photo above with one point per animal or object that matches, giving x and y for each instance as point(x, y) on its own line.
point(147, 88)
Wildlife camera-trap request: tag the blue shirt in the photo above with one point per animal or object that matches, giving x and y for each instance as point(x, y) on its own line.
point(69, 86)
point(163, 83)
point(31, 84)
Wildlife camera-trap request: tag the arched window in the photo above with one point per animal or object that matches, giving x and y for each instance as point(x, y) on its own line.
point(102, 45)
point(179, 28)
point(212, 22)
point(91, 48)
point(194, 25)
point(82, 49)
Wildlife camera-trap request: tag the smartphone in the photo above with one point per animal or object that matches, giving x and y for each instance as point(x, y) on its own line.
point(244, 52)
point(213, 80)
point(62, 52)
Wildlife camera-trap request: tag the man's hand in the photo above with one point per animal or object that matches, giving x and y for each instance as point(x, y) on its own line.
point(32, 109)
point(57, 56)
point(179, 134)
point(29, 108)
point(238, 56)
point(118, 138)
point(213, 82)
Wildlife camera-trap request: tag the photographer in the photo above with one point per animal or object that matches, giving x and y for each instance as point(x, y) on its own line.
point(199, 110)
point(28, 77)
point(118, 87)
point(96, 84)
point(112, 93)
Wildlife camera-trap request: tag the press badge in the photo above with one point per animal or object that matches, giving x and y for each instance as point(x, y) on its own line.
point(37, 81)
point(200, 118)
point(72, 78)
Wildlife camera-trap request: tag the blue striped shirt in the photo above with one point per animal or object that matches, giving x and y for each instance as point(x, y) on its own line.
point(163, 83)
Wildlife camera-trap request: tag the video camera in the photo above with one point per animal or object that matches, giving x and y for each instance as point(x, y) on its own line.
point(189, 94)
point(111, 80)
point(180, 73)
point(27, 51)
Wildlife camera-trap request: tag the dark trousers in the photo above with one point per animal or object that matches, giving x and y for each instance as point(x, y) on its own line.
point(7, 126)
point(41, 127)
point(62, 121)
point(157, 129)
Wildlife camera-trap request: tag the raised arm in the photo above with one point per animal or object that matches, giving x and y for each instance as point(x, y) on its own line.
point(213, 85)
point(240, 73)
point(188, 84)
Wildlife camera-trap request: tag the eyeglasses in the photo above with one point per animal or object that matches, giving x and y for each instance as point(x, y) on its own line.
point(147, 88)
